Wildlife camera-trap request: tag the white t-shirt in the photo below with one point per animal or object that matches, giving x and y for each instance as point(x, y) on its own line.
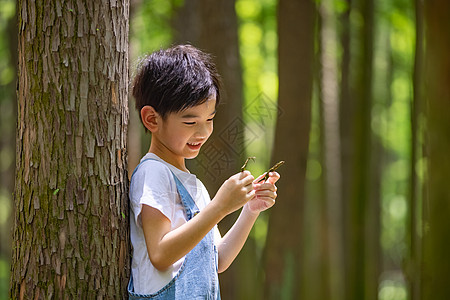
point(153, 184)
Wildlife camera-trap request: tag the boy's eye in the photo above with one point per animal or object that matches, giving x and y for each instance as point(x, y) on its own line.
point(189, 123)
point(209, 120)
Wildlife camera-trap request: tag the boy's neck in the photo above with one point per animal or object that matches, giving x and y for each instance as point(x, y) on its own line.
point(177, 163)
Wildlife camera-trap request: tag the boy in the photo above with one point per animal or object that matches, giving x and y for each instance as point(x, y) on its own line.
point(177, 249)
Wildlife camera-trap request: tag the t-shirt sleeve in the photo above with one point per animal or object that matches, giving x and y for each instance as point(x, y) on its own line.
point(152, 184)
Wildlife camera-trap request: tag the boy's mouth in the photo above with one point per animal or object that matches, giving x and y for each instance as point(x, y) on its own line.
point(194, 146)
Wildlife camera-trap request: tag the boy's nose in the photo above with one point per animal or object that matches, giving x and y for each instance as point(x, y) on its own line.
point(203, 132)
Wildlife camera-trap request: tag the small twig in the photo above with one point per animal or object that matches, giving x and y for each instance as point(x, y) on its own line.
point(246, 162)
point(276, 166)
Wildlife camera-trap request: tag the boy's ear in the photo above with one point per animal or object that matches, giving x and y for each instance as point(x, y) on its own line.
point(150, 118)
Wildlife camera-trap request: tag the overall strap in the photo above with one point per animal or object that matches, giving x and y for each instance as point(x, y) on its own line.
point(137, 167)
point(188, 203)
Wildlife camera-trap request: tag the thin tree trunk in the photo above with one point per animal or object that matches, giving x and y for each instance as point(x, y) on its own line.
point(283, 251)
point(369, 160)
point(71, 228)
point(413, 266)
point(331, 153)
point(361, 259)
point(346, 112)
point(373, 221)
point(436, 223)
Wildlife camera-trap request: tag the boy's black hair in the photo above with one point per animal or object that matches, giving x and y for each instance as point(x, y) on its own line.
point(175, 79)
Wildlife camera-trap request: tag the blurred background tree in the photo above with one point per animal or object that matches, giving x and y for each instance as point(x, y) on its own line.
point(436, 223)
point(283, 252)
point(372, 222)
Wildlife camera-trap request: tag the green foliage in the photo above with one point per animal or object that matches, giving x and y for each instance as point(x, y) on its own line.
point(150, 27)
point(5, 208)
point(392, 125)
point(7, 11)
point(4, 278)
point(258, 46)
point(392, 290)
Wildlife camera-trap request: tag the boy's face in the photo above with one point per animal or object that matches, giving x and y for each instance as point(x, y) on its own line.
point(182, 134)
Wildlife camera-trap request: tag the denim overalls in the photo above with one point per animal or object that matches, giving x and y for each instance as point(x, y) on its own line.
point(197, 277)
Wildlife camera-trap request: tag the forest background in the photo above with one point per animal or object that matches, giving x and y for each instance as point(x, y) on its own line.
point(350, 93)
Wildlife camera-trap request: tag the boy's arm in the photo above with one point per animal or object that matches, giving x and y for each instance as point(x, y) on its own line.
point(232, 243)
point(166, 246)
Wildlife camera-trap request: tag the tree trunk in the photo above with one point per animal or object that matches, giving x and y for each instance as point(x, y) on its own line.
point(412, 272)
point(331, 155)
point(283, 254)
point(71, 228)
point(362, 259)
point(436, 223)
point(346, 113)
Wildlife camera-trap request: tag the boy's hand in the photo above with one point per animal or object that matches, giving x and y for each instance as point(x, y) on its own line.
point(235, 192)
point(265, 193)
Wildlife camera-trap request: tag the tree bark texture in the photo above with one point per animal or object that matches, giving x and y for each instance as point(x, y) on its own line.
point(436, 206)
point(283, 254)
point(71, 235)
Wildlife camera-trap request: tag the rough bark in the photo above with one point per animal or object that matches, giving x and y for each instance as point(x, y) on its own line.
point(283, 252)
point(71, 230)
